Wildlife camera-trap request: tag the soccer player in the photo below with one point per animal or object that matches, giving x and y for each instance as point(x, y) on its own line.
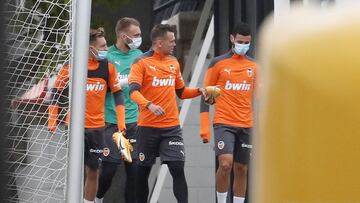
point(122, 54)
point(101, 76)
point(155, 80)
point(235, 74)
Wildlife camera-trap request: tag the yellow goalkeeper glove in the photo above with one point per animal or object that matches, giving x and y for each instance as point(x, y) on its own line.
point(212, 93)
point(123, 145)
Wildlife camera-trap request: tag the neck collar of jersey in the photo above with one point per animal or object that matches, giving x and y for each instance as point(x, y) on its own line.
point(92, 60)
point(117, 48)
point(237, 56)
point(158, 55)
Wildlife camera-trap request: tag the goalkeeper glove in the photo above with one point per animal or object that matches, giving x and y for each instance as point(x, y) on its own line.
point(212, 93)
point(123, 145)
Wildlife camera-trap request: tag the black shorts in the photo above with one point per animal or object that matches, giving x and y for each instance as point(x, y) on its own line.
point(113, 154)
point(233, 140)
point(93, 146)
point(164, 142)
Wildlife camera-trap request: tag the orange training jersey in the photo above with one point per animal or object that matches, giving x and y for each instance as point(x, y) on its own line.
point(99, 80)
point(158, 77)
point(236, 76)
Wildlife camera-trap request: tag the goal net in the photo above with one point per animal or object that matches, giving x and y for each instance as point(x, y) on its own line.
point(38, 44)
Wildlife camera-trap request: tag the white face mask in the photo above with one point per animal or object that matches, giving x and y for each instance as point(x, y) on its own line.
point(136, 42)
point(241, 49)
point(101, 55)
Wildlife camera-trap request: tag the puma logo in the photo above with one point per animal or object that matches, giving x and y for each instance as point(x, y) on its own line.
point(227, 70)
point(152, 67)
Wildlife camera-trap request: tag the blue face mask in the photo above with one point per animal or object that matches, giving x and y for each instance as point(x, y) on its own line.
point(101, 55)
point(241, 49)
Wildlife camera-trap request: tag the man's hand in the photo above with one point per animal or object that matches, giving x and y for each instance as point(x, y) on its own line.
point(155, 109)
point(52, 126)
point(204, 93)
point(205, 127)
point(122, 130)
point(213, 92)
point(205, 141)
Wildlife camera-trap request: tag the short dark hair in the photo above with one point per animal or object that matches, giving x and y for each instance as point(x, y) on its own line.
point(160, 30)
point(96, 33)
point(241, 28)
point(124, 23)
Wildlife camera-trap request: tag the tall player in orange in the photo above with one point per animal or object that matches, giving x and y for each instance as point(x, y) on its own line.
point(101, 77)
point(155, 80)
point(235, 74)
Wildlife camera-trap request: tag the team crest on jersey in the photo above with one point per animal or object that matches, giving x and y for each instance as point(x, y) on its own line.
point(106, 151)
point(250, 72)
point(141, 156)
point(172, 68)
point(221, 145)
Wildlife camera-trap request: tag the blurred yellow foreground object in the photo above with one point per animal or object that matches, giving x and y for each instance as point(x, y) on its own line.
point(307, 146)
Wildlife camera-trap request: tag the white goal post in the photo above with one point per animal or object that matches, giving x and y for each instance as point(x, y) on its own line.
point(41, 38)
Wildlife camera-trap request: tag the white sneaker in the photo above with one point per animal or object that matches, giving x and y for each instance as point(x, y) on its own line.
point(123, 145)
point(97, 200)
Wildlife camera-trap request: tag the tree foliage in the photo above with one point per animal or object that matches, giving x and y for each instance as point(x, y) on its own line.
point(41, 30)
point(103, 13)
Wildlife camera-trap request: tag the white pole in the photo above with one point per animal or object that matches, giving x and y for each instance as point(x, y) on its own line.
point(81, 19)
point(198, 68)
point(347, 3)
point(281, 7)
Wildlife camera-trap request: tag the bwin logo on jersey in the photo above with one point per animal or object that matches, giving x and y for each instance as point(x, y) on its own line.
point(163, 81)
point(95, 87)
point(120, 76)
point(237, 86)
